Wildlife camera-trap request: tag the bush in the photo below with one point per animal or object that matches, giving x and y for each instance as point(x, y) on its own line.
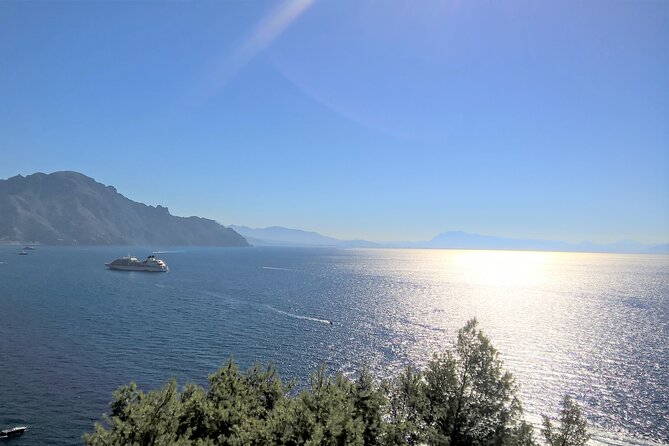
point(463, 398)
point(572, 430)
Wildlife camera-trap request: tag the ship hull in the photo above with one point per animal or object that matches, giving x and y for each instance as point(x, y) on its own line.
point(146, 269)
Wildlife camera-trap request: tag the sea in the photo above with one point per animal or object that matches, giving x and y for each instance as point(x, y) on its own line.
point(594, 326)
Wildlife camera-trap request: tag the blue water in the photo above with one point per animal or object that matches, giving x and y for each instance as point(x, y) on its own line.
point(593, 325)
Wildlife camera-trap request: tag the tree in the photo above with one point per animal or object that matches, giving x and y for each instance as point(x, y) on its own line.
point(464, 397)
point(239, 406)
point(239, 409)
point(337, 411)
point(369, 401)
point(572, 430)
point(140, 418)
point(407, 406)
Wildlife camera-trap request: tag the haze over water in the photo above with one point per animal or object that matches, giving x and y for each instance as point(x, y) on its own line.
point(592, 325)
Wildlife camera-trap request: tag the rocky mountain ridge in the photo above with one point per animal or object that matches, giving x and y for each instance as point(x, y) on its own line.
point(69, 208)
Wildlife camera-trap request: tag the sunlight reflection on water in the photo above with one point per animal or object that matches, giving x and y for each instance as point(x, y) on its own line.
point(591, 325)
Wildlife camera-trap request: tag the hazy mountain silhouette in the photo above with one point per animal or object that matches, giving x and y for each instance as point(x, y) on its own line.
point(68, 208)
point(280, 236)
point(660, 249)
point(71, 208)
point(464, 240)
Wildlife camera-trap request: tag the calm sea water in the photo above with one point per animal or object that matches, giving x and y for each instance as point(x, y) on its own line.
point(592, 325)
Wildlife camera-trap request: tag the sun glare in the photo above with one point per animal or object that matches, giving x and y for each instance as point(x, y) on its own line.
point(502, 268)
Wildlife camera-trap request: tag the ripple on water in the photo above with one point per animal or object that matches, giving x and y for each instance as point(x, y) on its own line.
point(594, 326)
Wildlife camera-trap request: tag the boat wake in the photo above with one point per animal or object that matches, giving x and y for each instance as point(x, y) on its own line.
point(297, 316)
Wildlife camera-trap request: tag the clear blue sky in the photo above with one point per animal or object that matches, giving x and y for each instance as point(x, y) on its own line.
point(383, 120)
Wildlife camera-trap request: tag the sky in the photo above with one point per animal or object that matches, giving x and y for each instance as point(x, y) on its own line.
point(379, 120)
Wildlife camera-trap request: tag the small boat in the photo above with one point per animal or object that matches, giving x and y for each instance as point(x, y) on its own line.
point(131, 263)
point(23, 253)
point(29, 248)
point(13, 432)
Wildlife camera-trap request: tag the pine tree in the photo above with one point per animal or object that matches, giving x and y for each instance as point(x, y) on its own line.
point(572, 429)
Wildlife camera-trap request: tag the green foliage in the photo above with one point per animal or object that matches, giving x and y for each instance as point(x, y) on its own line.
point(407, 409)
point(572, 430)
point(370, 401)
point(249, 408)
point(335, 411)
point(141, 418)
point(463, 398)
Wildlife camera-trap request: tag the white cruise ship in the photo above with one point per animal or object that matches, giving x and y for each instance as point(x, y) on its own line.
point(131, 263)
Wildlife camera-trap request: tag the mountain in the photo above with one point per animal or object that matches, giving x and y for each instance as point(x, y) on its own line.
point(280, 236)
point(660, 249)
point(465, 240)
point(623, 246)
point(66, 208)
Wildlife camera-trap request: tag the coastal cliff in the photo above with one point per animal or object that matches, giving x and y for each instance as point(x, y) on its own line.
point(69, 208)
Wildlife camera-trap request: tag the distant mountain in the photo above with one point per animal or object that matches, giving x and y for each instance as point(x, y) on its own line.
point(622, 246)
point(660, 249)
point(280, 236)
point(66, 208)
point(465, 240)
